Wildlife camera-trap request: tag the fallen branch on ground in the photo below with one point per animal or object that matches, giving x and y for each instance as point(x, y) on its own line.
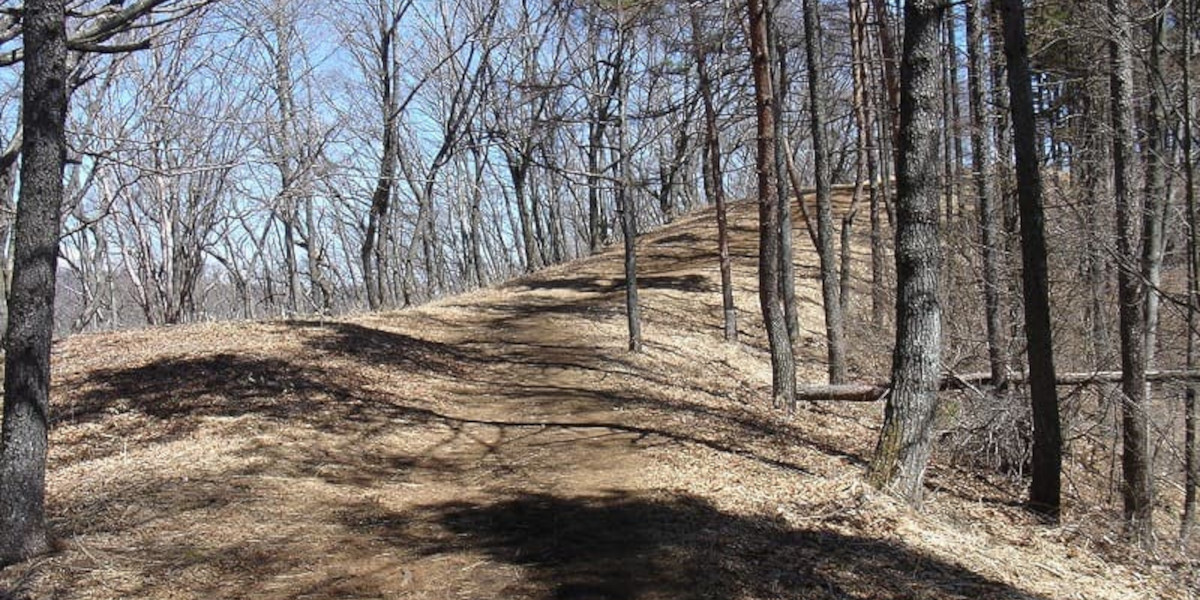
point(870, 392)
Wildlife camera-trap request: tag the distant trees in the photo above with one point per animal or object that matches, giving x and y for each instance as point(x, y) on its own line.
point(982, 158)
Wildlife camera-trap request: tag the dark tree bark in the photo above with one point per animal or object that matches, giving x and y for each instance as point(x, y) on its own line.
point(714, 185)
point(1137, 484)
point(834, 326)
point(1045, 488)
point(625, 205)
point(518, 169)
point(23, 441)
point(982, 157)
point(783, 367)
point(779, 91)
point(902, 452)
point(1191, 460)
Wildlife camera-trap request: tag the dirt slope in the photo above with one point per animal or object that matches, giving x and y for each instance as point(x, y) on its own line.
point(502, 444)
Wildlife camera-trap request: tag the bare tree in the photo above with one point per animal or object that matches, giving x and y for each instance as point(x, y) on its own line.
point(783, 367)
point(1191, 460)
point(23, 440)
point(982, 154)
point(293, 140)
point(713, 175)
point(1045, 489)
point(903, 449)
point(834, 321)
point(382, 62)
point(1137, 486)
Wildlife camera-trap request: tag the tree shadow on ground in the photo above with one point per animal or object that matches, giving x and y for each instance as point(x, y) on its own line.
point(605, 285)
point(228, 384)
point(631, 547)
point(377, 346)
point(224, 385)
point(170, 398)
point(685, 239)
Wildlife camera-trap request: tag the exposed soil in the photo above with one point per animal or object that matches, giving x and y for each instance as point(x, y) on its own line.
point(503, 444)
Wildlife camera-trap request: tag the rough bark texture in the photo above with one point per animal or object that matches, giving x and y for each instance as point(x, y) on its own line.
point(903, 449)
point(1045, 488)
point(783, 367)
point(1137, 484)
point(834, 327)
point(23, 441)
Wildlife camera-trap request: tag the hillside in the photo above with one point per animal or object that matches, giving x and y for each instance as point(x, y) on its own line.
point(502, 444)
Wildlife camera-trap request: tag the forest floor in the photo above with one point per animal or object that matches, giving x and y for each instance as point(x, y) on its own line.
point(503, 444)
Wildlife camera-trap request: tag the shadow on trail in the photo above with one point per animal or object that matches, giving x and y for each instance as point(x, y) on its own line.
point(603, 285)
point(631, 547)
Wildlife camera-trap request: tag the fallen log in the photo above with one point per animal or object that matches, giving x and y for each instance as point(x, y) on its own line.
point(964, 381)
point(871, 392)
point(850, 392)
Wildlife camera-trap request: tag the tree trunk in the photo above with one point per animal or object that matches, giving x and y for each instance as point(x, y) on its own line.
point(787, 262)
point(834, 326)
point(475, 219)
point(783, 367)
point(714, 185)
point(864, 118)
point(956, 141)
point(290, 262)
point(625, 206)
point(981, 157)
point(1137, 485)
point(1191, 460)
point(370, 253)
point(322, 288)
point(23, 440)
point(861, 155)
point(517, 169)
point(891, 82)
point(1155, 183)
point(902, 452)
point(1045, 489)
point(597, 231)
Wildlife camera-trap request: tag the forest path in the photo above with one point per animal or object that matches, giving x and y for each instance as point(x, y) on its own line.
point(498, 444)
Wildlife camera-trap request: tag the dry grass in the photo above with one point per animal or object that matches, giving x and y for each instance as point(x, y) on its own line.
point(502, 444)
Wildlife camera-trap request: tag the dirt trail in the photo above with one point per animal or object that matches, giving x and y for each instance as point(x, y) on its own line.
point(500, 444)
